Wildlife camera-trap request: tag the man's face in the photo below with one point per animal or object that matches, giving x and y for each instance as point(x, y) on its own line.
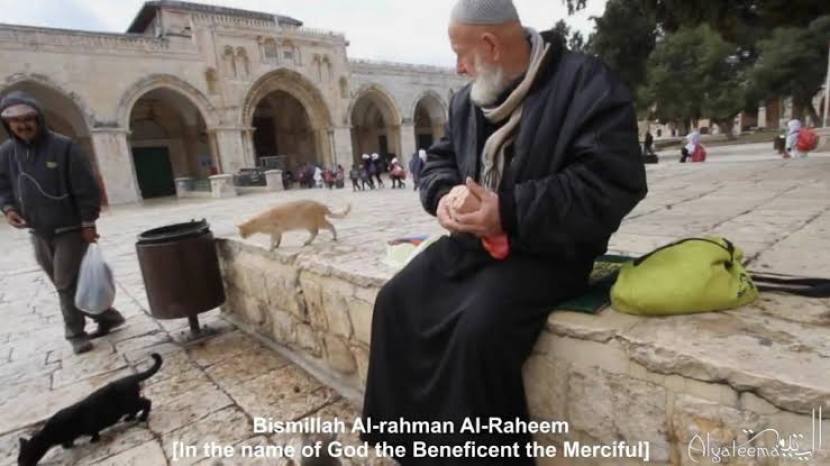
point(466, 41)
point(24, 127)
point(476, 57)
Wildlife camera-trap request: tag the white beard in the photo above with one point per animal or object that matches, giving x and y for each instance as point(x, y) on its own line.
point(488, 85)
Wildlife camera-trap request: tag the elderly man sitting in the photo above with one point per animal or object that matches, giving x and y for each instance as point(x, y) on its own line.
point(544, 146)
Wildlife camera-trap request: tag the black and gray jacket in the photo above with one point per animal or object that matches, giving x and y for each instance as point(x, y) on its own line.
point(48, 181)
point(574, 170)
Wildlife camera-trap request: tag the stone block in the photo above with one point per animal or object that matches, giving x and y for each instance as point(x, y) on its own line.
point(584, 353)
point(183, 186)
point(313, 295)
point(745, 350)
point(309, 340)
point(589, 327)
point(254, 284)
point(283, 288)
point(361, 355)
point(613, 407)
point(273, 180)
point(750, 402)
point(361, 316)
point(703, 429)
point(284, 329)
point(338, 355)
point(546, 386)
point(805, 430)
point(254, 311)
point(336, 295)
point(367, 293)
point(234, 302)
point(221, 186)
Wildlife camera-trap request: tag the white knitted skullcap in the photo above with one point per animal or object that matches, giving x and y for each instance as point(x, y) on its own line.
point(19, 110)
point(484, 12)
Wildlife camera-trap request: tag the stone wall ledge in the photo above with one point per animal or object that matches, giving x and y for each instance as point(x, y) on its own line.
point(611, 376)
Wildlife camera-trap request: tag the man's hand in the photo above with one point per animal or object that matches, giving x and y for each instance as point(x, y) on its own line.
point(15, 219)
point(445, 214)
point(484, 222)
point(90, 234)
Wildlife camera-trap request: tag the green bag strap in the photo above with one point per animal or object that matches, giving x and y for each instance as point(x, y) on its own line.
point(730, 248)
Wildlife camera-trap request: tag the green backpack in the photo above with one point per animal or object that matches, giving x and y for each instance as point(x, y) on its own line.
point(688, 276)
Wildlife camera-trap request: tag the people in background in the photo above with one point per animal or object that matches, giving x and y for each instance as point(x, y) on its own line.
point(415, 167)
point(376, 169)
point(397, 174)
point(693, 149)
point(354, 175)
point(794, 132)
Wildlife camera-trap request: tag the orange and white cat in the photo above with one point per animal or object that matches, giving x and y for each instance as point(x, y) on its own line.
point(297, 215)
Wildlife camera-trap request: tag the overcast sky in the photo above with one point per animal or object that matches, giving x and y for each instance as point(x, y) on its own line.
point(411, 31)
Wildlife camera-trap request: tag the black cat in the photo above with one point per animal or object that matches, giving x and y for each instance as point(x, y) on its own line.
point(103, 408)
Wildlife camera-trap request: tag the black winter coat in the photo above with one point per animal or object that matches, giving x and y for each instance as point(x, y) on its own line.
point(575, 169)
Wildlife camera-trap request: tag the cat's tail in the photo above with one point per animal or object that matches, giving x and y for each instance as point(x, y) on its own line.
point(331, 214)
point(152, 370)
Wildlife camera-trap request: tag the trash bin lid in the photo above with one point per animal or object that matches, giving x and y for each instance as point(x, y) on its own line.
point(175, 232)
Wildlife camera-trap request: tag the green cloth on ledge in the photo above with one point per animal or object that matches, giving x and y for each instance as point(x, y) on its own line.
point(598, 295)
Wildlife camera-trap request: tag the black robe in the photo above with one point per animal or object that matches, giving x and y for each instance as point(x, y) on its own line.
point(451, 331)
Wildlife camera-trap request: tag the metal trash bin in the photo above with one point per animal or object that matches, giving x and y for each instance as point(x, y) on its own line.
point(181, 273)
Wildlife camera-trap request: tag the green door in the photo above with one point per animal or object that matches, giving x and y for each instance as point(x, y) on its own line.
point(154, 172)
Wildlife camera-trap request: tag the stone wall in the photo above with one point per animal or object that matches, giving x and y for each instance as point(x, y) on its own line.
point(612, 377)
point(321, 318)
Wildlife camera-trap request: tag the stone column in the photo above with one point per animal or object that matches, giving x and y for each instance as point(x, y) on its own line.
point(115, 162)
point(408, 143)
point(273, 180)
point(221, 186)
point(183, 186)
point(231, 145)
point(323, 145)
point(342, 142)
point(762, 115)
point(248, 146)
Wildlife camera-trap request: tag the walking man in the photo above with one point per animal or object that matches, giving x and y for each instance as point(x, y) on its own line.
point(47, 186)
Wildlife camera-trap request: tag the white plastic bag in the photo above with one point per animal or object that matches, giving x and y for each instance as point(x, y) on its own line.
point(96, 286)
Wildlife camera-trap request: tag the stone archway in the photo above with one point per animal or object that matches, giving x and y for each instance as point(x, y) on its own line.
point(64, 114)
point(290, 120)
point(283, 129)
point(168, 139)
point(376, 124)
point(429, 117)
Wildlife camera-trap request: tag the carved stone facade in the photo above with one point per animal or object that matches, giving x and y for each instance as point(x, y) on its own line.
point(194, 90)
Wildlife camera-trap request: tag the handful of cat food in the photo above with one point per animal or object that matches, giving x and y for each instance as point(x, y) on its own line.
point(464, 201)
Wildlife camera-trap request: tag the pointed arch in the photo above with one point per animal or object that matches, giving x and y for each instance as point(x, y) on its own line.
point(307, 139)
point(156, 81)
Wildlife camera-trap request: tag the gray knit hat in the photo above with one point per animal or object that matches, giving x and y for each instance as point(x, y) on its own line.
point(484, 12)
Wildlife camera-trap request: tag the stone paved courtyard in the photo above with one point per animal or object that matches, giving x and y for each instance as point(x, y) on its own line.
point(778, 211)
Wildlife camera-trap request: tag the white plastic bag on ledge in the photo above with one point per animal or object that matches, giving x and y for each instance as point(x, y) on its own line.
point(96, 286)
